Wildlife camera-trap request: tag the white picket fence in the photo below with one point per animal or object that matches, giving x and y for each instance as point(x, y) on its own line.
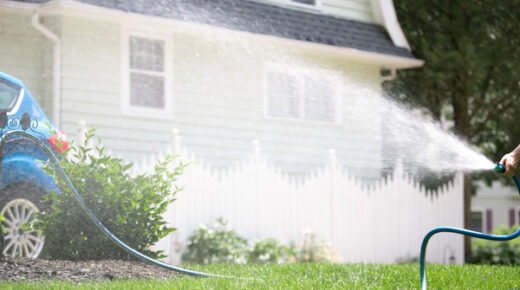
point(382, 223)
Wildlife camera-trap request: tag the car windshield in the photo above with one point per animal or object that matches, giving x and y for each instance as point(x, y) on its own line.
point(8, 94)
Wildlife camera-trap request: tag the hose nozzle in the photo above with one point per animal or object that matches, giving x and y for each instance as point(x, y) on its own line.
point(500, 168)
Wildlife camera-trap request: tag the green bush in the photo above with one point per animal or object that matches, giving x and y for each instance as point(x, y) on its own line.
point(312, 250)
point(496, 253)
point(131, 207)
point(217, 244)
point(268, 251)
point(220, 244)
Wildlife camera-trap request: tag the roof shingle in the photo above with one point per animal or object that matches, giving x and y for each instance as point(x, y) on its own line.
point(261, 18)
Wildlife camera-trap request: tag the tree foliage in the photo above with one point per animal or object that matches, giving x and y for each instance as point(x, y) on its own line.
point(471, 72)
point(472, 67)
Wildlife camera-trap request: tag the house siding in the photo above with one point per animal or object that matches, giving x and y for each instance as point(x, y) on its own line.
point(360, 10)
point(92, 90)
point(217, 92)
point(499, 199)
point(26, 54)
point(218, 101)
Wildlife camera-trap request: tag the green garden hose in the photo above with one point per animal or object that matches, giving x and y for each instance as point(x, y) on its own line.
point(500, 169)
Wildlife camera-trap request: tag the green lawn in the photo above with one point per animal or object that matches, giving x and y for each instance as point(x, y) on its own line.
point(315, 276)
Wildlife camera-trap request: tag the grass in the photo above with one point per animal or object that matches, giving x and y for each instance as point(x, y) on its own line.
point(314, 276)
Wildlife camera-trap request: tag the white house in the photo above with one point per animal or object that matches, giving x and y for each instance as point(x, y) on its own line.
point(493, 206)
point(264, 94)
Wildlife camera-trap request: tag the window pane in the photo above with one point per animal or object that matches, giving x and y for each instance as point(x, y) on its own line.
point(308, 2)
point(146, 54)
point(282, 94)
point(319, 99)
point(476, 221)
point(146, 91)
point(8, 94)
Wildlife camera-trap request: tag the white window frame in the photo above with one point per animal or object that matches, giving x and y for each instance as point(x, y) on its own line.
point(484, 219)
point(517, 215)
point(317, 5)
point(127, 109)
point(301, 72)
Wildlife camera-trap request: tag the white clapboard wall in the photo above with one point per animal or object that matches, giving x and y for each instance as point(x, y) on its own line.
point(379, 223)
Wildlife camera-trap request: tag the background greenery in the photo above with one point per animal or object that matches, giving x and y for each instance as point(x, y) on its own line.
point(221, 244)
point(472, 67)
point(471, 73)
point(497, 253)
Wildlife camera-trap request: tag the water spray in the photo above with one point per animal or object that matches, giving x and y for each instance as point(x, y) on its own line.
point(499, 168)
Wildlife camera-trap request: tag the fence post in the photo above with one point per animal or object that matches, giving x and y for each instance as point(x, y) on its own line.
point(176, 141)
point(256, 150)
point(257, 183)
point(175, 245)
point(81, 132)
point(332, 170)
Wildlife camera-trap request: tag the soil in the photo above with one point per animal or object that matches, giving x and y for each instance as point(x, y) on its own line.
point(38, 269)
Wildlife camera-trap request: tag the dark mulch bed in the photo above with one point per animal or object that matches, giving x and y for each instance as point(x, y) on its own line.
point(37, 270)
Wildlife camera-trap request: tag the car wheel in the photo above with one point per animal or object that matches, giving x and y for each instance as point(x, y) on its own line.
point(1, 240)
point(19, 204)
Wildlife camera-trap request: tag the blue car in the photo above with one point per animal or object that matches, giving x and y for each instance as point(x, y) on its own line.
point(22, 181)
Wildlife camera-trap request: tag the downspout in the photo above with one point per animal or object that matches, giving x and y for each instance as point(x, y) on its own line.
point(390, 76)
point(56, 67)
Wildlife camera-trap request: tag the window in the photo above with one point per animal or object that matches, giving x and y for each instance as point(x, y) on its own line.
point(146, 72)
point(476, 221)
point(9, 93)
point(305, 3)
point(481, 220)
point(301, 96)
point(282, 93)
point(318, 95)
point(146, 77)
point(514, 216)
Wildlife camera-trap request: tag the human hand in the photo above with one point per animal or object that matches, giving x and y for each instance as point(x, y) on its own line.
point(510, 162)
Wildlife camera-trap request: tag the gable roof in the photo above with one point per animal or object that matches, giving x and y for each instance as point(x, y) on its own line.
point(262, 18)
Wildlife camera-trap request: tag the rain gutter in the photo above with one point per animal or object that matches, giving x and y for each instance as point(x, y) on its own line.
point(56, 66)
point(391, 76)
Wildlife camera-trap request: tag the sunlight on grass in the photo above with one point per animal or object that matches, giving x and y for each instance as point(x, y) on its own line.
point(317, 276)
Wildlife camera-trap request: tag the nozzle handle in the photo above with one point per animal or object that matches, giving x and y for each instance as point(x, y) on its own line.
point(500, 168)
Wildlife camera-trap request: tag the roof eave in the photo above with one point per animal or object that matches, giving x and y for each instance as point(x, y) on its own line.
point(382, 60)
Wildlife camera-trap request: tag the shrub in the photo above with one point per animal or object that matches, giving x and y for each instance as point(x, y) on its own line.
point(311, 250)
point(220, 244)
point(217, 244)
point(496, 253)
point(267, 251)
point(131, 207)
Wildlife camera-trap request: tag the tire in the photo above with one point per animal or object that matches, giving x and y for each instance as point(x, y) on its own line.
point(18, 203)
point(1, 240)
